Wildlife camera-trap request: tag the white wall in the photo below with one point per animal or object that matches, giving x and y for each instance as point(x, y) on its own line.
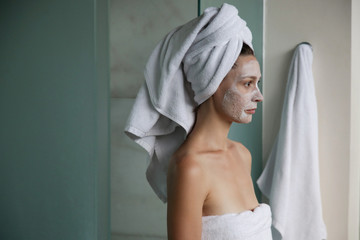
point(326, 25)
point(354, 198)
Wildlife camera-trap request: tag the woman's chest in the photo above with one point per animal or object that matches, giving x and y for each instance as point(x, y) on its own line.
point(230, 187)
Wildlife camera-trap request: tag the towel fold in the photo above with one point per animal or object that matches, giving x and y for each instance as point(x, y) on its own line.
point(290, 179)
point(246, 225)
point(183, 71)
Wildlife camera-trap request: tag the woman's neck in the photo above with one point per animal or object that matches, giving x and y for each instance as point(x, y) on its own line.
point(211, 128)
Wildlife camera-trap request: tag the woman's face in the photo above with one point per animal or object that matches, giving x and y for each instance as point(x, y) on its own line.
point(238, 94)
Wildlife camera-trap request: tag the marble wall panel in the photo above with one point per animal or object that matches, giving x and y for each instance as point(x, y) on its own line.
point(135, 237)
point(135, 209)
point(135, 29)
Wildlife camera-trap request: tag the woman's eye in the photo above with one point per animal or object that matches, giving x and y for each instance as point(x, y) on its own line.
point(247, 84)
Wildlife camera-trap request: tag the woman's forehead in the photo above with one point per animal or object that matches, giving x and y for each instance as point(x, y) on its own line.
point(247, 65)
point(244, 59)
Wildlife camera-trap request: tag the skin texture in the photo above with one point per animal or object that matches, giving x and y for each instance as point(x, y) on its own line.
point(210, 174)
point(240, 89)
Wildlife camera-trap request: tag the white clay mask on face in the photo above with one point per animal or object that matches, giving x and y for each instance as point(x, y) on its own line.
point(240, 105)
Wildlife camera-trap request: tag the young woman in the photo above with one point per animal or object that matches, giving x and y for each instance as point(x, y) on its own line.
point(201, 77)
point(209, 175)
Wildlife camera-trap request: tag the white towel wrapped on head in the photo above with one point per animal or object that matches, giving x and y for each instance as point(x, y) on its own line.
point(183, 71)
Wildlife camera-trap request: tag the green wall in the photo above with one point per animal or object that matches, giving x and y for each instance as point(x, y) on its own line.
point(54, 124)
point(250, 134)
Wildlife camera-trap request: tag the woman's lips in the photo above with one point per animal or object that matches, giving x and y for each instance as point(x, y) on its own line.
point(250, 111)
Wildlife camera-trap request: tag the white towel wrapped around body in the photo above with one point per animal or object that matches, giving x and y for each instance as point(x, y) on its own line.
point(247, 225)
point(183, 71)
point(290, 179)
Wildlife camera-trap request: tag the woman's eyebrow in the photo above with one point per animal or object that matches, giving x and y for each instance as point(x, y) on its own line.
point(250, 76)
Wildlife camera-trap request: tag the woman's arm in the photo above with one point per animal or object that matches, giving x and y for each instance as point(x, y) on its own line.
point(186, 190)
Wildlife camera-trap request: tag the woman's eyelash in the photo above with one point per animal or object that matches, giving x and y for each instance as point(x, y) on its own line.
point(248, 83)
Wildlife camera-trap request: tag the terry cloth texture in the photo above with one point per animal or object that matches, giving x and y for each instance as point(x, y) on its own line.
point(247, 225)
point(184, 70)
point(290, 179)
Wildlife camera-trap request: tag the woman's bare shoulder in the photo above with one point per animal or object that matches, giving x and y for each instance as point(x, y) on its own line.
point(243, 152)
point(186, 158)
point(187, 190)
point(240, 147)
point(185, 164)
point(187, 172)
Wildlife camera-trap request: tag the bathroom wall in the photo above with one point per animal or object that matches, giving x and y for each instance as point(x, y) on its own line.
point(135, 28)
point(54, 124)
point(326, 25)
point(354, 176)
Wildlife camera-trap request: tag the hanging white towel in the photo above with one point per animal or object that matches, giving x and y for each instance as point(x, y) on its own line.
point(290, 179)
point(184, 70)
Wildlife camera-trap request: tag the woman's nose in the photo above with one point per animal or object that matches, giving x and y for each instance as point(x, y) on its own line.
point(258, 96)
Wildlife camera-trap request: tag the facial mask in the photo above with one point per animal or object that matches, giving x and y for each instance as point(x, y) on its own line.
point(235, 103)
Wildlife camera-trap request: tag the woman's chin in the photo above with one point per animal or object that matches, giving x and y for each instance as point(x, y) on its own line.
point(248, 119)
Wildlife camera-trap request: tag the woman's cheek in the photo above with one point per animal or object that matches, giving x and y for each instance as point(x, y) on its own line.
point(234, 104)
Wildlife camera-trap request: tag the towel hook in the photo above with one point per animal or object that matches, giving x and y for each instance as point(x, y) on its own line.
point(307, 44)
